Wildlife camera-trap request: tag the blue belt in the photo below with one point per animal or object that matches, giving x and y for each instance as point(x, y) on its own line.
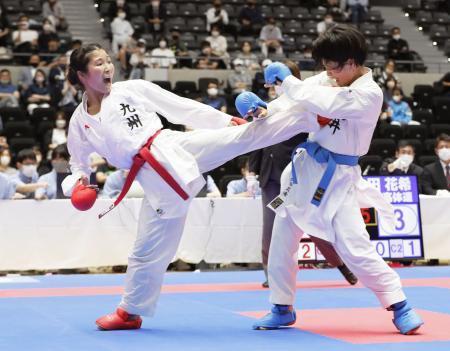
point(322, 155)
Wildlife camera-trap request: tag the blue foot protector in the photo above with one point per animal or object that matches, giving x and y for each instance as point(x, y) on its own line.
point(406, 320)
point(280, 316)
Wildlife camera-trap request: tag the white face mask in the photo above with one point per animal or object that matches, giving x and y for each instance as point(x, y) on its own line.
point(47, 27)
point(29, 170)
point(213, 91)
point(142, 50)
point(5, 160)
point(39, 79)
point(396, 36)
point(328, 20)
point(444, 154)
point(162, 44)
point(390, 85)
point(397, 98)
point(215, 33)
point(60, 123)
point(278, 90)
point(405, 160)
point(121, 15)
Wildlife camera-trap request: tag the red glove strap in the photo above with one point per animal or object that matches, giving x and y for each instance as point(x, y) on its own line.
point(238, 120)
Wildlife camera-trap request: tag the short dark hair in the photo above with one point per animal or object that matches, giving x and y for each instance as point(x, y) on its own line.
point(404, 143)
point(5, 70)
point(340, 43)
point(26, 154)
point(242, 162)
point(61, 152)
point(442, 137)
point(79, 60)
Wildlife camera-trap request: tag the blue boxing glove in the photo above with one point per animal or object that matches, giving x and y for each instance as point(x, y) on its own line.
point(248, 102)
point(276, 71)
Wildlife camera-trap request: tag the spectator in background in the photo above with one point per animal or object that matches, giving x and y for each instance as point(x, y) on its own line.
point(216, 15)
point(307, 63)
point(121, 29)
point(57, 75)
point(4, 27)
point(388, 74)
point(7, 187)
point(114, 7)
point(75, 44)
point(399, 111)
point(336, 8)
point(139, 60)
point(398, 48)
point(38, 93)
point(114, 184)
point(9, 95)
point(24, 38)
point(27, 177)
point(403, 163)
point(27, 73)
point(436, 176)
point(42, 165)
point(155, 14)
point(240, 80)
point(442, 87)
point(207, 60)
point(3, 142)
point(247, 186)
point(60, 164)
point(5, 162)
point(179, 49)
point(258, 84)
point(213, 99)
point(250, 19)
point(48, 32)
point(210, 189)
point(248, 57)
point(57, 135)
point(53, 10)
point(162, 56)
point(358, 9)
point(271, 38)
point(326, 24)
point(218, 42)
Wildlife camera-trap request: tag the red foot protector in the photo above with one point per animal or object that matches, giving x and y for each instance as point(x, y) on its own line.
point(238, 120)
point(119, 320)
point(83, 197)
point(323, 121)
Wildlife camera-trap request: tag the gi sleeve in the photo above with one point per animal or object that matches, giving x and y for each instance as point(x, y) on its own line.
point(181, 110)
point(332, 102)
point(79, 150)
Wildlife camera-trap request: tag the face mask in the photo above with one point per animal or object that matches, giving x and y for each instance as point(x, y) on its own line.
point(5, 160)
point(142, 50)
point(24, 25)
point(396, 36)
point(29, 170)
point(239, 69)
point(405, 160)
point(215, 33)
point(175, 37)
point(270, 26)
point(39, 79)
point(213, 91)
point(328, 20)
point(278, 90)
point(444, 154)
point(120, 2)
point(389, 71)
point(155, 3)
point(60, 123)
point(307, 55)
point(162, 44)
point(47, 27)
point(34, 64)
point(397, 98)
point(60, 166)
point(121, 15)
point(4, 81)
point(390, 85)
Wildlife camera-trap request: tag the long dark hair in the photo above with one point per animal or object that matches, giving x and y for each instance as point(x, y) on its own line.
point(79, 60)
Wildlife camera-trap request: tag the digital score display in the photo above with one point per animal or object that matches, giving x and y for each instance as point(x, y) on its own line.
point(404, 242)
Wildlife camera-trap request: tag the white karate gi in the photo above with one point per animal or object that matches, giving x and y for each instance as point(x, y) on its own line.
point(126, 121)
point(355, 110)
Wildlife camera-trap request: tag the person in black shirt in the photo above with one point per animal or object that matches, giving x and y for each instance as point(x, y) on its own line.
point(398, 48)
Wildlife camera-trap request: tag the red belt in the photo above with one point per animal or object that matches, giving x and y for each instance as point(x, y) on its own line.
point(144, 155)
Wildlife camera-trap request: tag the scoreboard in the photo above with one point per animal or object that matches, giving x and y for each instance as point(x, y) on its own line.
point(405, 241)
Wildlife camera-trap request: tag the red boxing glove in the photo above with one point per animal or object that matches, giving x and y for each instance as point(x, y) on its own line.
point(238, 120)
point(83, 197)
point(323, 121)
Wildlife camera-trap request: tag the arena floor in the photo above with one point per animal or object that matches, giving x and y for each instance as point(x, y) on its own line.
point(215, 311)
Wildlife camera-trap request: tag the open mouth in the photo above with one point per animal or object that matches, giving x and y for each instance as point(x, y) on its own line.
point(107, 80)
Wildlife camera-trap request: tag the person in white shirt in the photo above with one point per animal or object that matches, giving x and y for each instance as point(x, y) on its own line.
point(162, 56)
point(322, 190)
point(120, 122)
point(24, 39)
point(121, 29)
point(271, 37)
point(139, 60)
point(216, 15)
point(218, 42)
point(327, 23)
point(57, 135)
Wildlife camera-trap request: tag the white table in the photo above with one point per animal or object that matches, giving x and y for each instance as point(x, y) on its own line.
point(51, 234)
